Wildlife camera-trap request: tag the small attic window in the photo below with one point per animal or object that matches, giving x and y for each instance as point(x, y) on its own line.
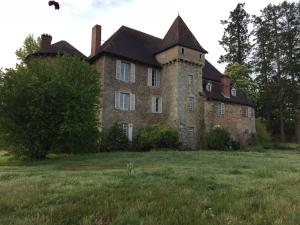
point(200, 56)
point(208, 87)
point(182, 51)
point(233, 91)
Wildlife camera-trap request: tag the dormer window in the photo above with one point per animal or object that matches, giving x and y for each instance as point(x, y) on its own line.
point(208, 87)
point(182, 51)
point(233, 91)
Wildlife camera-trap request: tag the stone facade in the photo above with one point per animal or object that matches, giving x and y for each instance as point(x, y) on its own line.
point(178, 66)
point(241, 127)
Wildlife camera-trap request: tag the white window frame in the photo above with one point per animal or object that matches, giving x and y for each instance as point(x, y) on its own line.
point(153, 77)
point(248, 111)
point(233, 91)
point(190, 80)
point(125, 71)
point(209, 87)
point(120, 101)
point(191, 104)
point(191, 131)
point(127, 129)
point(221, 108)
point(156, 104)
point(125, 76)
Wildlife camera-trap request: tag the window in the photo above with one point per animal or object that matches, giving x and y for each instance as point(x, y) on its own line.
point(200, 56)
point(124, 127)
point(191, 104)
point(127, 130)
point(233, 91)
point(124, 101)
point(208, 87)
point(247, 111)
point(191, 131)
point(125, 71)
point(153, 78)
point(221, 108)
point(156, 104)
point(182, 51)
point(190, 80)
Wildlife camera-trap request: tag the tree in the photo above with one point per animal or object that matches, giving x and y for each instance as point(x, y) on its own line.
point(276, 64)
point(30, 45)
point(235, 40)
point(240, 75)
point(50, 104)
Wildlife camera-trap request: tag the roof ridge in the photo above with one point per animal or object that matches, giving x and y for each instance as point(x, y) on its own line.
point(145, 34)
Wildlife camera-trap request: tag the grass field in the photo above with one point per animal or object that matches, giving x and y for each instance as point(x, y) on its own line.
point(157, 188)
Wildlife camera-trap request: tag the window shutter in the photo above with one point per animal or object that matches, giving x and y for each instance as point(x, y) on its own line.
point(160, 107)
point(132, 102)
point(118, 69)
point(153, 104)
point(149, 77)
point(158, 79)
point(117, 100)
point(130, 128)
point(132, 72)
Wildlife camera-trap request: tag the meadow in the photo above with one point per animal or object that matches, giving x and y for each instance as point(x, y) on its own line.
point(152, 188)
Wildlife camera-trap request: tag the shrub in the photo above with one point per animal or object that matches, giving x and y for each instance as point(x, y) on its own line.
point(50, 105)
point(219, 139)
point(114, 139)
point(159, 135)
point(263, 136)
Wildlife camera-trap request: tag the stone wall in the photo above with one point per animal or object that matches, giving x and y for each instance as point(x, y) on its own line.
point(240, 127)
point(142, 115)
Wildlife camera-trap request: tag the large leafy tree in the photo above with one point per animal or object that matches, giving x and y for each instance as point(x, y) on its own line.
point(235, 40)
point(240, 76)
point(276, 64)
point(50, 104)
point(30, 45)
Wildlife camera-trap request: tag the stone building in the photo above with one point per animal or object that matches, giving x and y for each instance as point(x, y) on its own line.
point(147, 80)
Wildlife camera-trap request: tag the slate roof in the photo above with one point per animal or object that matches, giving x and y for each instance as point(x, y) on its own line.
point(141, 47)
point(61, 47)
point(131, 44)
point(212, 75)
point(180, 34)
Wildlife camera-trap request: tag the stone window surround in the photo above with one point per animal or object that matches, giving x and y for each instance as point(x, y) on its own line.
point(156, 107)
point(233, 91)
point(208, 87)
point(220, 108)
point(191, 103)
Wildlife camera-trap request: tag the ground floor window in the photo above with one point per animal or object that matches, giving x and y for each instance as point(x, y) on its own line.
point(127, 129)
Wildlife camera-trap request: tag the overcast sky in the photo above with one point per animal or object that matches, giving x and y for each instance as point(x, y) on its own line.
point(74, 21)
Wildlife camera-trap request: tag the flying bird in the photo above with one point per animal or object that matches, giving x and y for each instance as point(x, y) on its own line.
point(56, 4)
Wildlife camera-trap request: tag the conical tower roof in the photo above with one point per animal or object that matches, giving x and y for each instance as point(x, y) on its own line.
point(180, 34)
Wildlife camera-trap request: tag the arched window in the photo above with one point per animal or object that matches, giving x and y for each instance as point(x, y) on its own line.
point(182, 51)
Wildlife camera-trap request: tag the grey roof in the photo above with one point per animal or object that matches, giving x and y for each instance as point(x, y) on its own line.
point(61, 47)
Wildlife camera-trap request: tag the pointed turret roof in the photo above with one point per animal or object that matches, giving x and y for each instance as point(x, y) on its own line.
point(180, 34)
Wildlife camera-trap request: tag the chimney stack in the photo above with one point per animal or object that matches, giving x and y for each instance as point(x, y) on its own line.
point(96, 39)
point(225, 83)
point(46, 41)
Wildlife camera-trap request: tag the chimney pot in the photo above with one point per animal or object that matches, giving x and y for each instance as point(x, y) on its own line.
point(225, 83)
point(46, 41)
point(96, 39)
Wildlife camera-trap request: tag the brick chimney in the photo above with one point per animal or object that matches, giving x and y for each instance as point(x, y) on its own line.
point(46, 41)
point(96, 39)
point(225, 84)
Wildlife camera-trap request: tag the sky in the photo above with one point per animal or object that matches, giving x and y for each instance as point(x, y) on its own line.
point(75, 19)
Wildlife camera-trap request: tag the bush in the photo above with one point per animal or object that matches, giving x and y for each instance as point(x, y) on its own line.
point(263, 136)
point(114, 139)
point(50, 105)
point(159, 135)
point(219, 139)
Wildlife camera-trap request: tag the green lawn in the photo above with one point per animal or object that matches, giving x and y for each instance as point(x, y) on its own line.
point(157, 188)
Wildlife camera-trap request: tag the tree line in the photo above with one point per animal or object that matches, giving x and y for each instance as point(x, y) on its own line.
point(262, 53)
